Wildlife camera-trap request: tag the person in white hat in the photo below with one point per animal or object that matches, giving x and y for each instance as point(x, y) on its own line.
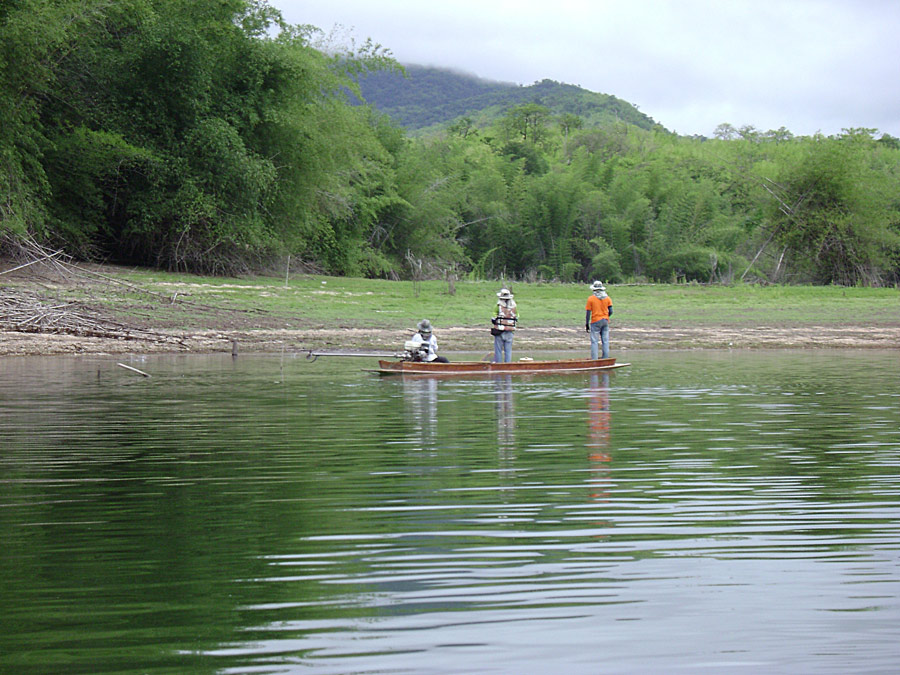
point(425, 336)
point(504, 324)
point(596, 319)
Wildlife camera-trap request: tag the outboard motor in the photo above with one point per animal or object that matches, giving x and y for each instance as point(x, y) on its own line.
point(414, 351)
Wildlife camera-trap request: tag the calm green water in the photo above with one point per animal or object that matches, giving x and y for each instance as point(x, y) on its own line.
point(697, 512)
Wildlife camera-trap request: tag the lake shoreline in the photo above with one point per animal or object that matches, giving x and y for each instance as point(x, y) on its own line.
point(451, 339)
point(48, 310)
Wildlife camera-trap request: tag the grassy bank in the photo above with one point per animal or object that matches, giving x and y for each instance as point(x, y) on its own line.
point(84, 310)
point(351, 302)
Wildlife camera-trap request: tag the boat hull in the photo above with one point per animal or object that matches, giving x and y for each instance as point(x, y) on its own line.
point(482, 368)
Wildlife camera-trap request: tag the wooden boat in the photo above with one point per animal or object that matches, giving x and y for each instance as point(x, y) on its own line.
point(484, 368)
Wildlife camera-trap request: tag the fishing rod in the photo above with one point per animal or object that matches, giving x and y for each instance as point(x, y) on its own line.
point(412, 351)
point(313, 354)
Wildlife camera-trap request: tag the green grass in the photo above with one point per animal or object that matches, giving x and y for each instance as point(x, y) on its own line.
point(762, 305)
point(338, 301)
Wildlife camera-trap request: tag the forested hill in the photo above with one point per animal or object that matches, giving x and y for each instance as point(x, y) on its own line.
point(427, 96)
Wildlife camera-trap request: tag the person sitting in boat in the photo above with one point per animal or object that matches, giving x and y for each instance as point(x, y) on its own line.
point(427, 344)
point(504, 323)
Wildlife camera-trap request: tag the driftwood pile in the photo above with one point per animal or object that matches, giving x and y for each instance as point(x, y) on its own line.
point(25, 312)
point(28, 312)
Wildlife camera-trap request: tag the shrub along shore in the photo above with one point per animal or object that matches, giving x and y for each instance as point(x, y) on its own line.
point(54, 308)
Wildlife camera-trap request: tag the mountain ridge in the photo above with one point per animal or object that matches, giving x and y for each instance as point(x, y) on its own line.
point(430, 97)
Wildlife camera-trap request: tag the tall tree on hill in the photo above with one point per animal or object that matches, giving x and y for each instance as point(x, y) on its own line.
point(569, 123)
point(526, 123)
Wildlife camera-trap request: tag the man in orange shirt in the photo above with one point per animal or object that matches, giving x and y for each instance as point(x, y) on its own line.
point(596, 319)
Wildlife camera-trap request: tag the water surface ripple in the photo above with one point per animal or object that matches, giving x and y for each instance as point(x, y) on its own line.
point(698, 512)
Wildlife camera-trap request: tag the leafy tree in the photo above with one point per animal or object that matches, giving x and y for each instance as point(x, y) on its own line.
point(462, 127)
point(569, 123)
point(837, 212)
point(526, 123)
point(605, 263)
point(34, 35)
point(890, 141)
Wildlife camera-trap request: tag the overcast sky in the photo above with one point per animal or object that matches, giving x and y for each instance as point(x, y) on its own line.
point(807, 65)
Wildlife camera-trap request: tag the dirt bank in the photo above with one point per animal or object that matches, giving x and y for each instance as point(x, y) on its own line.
point(13, 343)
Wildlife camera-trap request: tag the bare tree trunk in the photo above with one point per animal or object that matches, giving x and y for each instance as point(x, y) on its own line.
point(777, 271)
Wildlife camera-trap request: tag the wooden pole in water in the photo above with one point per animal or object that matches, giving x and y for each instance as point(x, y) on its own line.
point(139, 372)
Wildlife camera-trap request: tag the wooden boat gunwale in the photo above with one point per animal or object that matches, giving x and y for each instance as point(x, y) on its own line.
point(489, 368)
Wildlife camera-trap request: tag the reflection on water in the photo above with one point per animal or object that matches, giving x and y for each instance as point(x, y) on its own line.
point(598, 439)
point(506, 417)
point(714, 512)
point(420, 395)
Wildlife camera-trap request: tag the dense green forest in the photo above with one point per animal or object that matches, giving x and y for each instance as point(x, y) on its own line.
point(210, 136)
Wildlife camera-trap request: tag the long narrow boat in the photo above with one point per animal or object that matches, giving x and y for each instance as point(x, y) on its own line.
point(480, 367)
